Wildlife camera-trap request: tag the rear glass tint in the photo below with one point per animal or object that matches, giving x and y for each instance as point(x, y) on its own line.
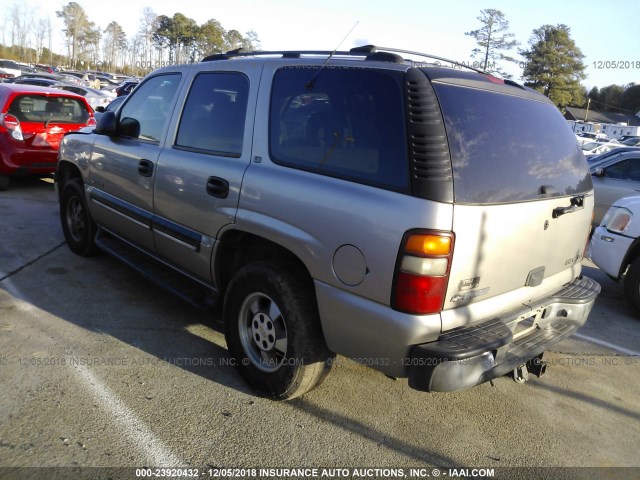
point(507, 149)
point(344, 123)
point(40, 108)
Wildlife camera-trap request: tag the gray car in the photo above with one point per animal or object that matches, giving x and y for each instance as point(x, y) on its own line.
point(615, 177)
point(351, 203)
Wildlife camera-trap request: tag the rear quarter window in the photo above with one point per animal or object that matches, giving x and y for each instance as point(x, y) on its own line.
point(345, 123)
point(505, 148)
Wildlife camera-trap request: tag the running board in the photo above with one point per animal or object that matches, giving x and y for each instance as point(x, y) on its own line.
point(193, 291)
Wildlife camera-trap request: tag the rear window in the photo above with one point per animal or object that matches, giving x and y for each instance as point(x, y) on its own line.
point(41, 108)
point(507, 149)
point(344, 123)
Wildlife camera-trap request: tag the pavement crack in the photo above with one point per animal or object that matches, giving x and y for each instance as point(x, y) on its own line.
point(31, 262)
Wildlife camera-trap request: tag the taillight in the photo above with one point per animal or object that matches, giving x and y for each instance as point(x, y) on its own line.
point(11, 123)
point(422, 272)
point(91, 122)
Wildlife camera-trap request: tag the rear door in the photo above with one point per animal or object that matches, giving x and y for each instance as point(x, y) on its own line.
point(200, 171)
point(523, 200)
point(123, 166)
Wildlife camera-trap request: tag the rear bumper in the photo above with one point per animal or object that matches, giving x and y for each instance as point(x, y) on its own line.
point(15, 160)
point(470, 355)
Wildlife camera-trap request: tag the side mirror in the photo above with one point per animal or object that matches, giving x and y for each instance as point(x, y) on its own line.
point(129, 127)
point(106, 124)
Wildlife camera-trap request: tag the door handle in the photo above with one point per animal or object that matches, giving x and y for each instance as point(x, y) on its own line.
point(145, 168)
point(217, 187)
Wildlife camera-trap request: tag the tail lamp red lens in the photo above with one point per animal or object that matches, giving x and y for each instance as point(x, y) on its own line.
point(12, 124)
point(422, 272)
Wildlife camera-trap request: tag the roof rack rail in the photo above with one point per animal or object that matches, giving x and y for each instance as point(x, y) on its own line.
point(367, 51)
point(426, 55)
point(284, 53)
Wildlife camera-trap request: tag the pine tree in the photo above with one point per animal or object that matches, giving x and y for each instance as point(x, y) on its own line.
point(493, 39)
point(553, 65)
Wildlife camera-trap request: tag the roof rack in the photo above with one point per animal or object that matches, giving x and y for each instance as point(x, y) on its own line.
point(369, 52)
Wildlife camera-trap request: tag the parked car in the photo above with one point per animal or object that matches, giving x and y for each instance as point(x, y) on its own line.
point(32, 122)
point(615, 246)
point(39, 81)
point(597, 159)
point(46, 68)
point(342, 210)
point(126, 88)
point(111, 107)
point(595, 148)
point(627, 137)
point(631, 142)
point(588, 137)
point(40, 74)
point(614, 177)
point(96, 98)
point(9, 69)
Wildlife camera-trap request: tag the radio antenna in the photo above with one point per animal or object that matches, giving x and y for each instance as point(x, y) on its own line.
point(311, 83)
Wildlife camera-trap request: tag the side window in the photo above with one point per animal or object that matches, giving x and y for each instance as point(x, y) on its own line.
point(145, 114)
point(214, 114)
point(345, 123)
point(628, 169)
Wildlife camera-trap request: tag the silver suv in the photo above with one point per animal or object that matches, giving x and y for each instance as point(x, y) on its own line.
point(426, 221)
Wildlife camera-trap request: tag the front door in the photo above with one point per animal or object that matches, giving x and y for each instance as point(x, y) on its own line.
point(123, 166)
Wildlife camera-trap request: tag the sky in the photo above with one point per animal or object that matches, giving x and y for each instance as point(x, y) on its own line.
point(605, 31)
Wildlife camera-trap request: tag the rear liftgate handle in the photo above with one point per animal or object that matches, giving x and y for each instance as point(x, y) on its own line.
point(577, 203)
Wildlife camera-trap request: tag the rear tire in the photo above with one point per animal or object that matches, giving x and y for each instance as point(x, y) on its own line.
point(4, 182)
point(77, 225)
point(632, 284)
point(273, 331)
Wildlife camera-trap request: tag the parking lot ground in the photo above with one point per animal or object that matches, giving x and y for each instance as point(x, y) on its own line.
point(98, 368)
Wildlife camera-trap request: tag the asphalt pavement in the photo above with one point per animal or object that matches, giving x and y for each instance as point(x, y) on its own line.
point(99, 368)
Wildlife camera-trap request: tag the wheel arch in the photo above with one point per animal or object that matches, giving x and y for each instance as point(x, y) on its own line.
point(237, 248)
point(632, 254)
point(64, 172)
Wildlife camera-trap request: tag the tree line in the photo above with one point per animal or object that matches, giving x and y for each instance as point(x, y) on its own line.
point(160, 40)
point(552, 64)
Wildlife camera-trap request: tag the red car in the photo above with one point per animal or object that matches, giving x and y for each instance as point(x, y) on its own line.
point(33, 120)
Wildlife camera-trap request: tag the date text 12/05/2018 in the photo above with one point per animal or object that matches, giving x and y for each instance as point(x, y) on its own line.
point(616, 64)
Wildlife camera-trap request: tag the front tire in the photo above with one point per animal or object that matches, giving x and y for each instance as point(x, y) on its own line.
point(77, 225)
point(273, 331)
point(632, 284)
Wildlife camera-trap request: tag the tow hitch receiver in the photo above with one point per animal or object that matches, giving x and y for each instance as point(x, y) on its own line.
point(536, 366)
